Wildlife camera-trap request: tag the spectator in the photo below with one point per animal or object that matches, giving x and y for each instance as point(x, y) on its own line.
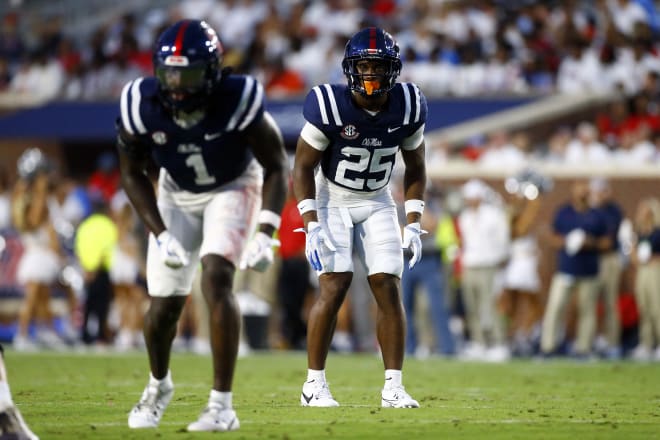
point(105, 179)
point(294, 277)
point(647, 279)
point(520, 298)
point(427, 273)
point(585, 147)
point(579, 233)
point(96, 239)
point(485, 248)
point(610, 264)
point(40, 263)
point(129, 297)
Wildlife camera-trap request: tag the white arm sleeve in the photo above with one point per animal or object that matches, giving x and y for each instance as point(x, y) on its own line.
point(314, 137)
point(415, 140)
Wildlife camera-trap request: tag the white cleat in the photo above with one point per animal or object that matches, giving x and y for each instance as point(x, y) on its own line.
point(150, 408)
point(315, 393)
point(215, 418)
point(12, 425)
point(397, 397)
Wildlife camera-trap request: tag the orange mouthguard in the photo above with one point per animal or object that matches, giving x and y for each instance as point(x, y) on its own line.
point(370, 86)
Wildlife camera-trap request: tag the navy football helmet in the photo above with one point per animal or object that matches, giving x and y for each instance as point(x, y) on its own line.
point(187, 60)
point(372, 44)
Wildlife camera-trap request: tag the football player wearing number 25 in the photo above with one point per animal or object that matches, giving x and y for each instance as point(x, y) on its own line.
point(223, 173)
point(344, 159)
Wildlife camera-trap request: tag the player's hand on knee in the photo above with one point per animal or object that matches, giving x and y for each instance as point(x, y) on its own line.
point(317, 245)
point(412, 241)
point(174, 255)
point(259, 253)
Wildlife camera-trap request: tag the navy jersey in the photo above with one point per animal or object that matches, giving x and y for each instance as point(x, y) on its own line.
point(593, 222)
point(362, 148)
point(613, 218)
point(208, 154)
point(653, 239)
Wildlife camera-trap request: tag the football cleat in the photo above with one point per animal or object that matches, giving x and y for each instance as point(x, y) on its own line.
point(148, 411)
point(215, 418)
point(12, 425)
point(397, 397)
point(315, 393)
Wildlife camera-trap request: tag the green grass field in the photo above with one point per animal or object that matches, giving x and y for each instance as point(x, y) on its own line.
point(79, 396)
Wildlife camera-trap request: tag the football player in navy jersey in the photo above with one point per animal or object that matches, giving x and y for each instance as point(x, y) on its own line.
point(223, 173)
point(354, 132)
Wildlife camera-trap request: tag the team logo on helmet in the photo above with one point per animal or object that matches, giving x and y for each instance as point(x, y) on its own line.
point(176, 60)
point(349, 132)
point(159, 137)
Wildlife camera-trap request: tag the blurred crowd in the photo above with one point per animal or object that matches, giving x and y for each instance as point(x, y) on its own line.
point(449, 48)
point(72, 261)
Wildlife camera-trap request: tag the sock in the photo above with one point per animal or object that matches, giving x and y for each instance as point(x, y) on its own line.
point(221, 397)
point(5, 396)
point(393, 378)
point(317, 375)
point(165, 382)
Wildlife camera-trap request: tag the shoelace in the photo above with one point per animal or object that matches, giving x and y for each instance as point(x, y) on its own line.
point(149, 401)
point(324, 392)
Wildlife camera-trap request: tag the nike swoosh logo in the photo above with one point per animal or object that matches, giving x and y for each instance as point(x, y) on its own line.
point(307, 398)
point(211, 136)
point(392, 129)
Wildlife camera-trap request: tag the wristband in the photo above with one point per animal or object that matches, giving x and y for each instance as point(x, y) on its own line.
point(306, 205)
point(414, 205)
point(269, 218)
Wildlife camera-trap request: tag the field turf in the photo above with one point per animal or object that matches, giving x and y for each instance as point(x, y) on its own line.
point(80, 396)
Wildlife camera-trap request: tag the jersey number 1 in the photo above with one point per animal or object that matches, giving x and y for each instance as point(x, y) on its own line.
point(382, 160)
point(202, 176)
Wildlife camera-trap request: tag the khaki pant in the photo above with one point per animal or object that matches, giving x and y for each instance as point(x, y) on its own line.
point(480, 297)
point(647, 293)
point(561, 288)
point(610, 279)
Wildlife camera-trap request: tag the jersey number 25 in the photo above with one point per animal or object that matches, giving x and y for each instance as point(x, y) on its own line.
point(382, 159)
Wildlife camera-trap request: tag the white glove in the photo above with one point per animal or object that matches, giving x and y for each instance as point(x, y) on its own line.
point(259, 252)
point(412, 241)
point(171, 251)
point(317, 244)
point(574, 241)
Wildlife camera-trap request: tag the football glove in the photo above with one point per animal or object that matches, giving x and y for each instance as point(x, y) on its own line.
point(317, 244)
point(172, 252)
point(412, 241)
point(259, 252)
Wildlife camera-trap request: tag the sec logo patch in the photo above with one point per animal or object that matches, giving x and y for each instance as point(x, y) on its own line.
point(159, 137)
point(349, 132)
